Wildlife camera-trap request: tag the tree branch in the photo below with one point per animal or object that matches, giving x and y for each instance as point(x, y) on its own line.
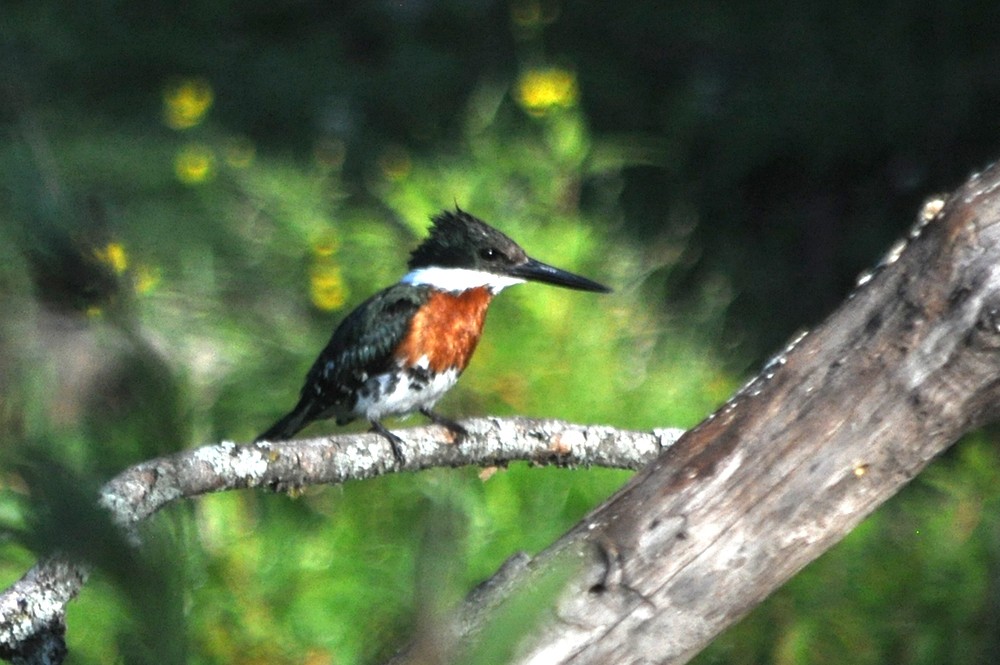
point(831, 428)
point(32, 611)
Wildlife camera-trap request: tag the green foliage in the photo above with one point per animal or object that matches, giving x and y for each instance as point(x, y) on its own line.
point(175, 250)
point(225, 276)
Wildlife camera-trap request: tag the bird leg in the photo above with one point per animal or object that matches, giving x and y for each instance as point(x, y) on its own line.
point(457, 430)
point(394, 440)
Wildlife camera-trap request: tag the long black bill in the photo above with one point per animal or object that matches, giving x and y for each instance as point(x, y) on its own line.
point(536, 271)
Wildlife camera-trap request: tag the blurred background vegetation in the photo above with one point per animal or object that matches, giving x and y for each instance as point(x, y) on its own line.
point(192, 195)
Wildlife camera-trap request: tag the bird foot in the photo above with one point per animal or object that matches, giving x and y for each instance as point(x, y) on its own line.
point(394, 441)
point(458, 432)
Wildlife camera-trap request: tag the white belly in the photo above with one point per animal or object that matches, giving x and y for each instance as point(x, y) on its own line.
point(400, 394)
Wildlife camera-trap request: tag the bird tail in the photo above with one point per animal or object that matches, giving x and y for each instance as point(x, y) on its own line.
point(290, 424)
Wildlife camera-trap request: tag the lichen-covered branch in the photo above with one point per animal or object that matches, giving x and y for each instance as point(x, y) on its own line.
point(32, 611)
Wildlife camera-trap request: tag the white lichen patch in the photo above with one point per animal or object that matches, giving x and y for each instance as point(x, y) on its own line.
point(230, 459)
point(932, 208)
point(568, 441)
point(667, 436)
point(894, 253)
point(864, 278)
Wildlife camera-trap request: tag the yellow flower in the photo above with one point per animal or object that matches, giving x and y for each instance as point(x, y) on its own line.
point(147, 278)
point(194, 163)
point(326, 286)
point(113, 255)
point(185, 102)
point(541, 90)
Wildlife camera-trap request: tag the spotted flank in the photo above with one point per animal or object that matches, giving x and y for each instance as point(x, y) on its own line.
point(402, 392)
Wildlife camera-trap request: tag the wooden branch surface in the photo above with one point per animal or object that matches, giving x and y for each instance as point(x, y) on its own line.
point(830, 429)
point(32, 611)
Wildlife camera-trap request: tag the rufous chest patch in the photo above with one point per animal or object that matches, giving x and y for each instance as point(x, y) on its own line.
point(446, 329)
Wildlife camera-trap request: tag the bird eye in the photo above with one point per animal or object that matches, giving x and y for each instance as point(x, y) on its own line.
point(489, 254)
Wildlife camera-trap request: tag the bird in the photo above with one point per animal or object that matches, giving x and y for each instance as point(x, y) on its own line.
point(403, 348)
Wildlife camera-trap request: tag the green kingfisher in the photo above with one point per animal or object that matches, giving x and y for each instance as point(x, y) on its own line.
point(404, 347)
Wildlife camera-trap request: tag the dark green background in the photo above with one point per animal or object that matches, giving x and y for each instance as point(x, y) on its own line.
point(729, 168)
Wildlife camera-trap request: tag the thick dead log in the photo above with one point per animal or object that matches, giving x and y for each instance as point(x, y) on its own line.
point(830, 429)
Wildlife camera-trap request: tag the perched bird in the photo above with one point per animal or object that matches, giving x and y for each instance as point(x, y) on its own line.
point(404, 347)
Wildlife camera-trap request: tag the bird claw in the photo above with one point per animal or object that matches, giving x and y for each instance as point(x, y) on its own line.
point(394, 441)
point(458, 432)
